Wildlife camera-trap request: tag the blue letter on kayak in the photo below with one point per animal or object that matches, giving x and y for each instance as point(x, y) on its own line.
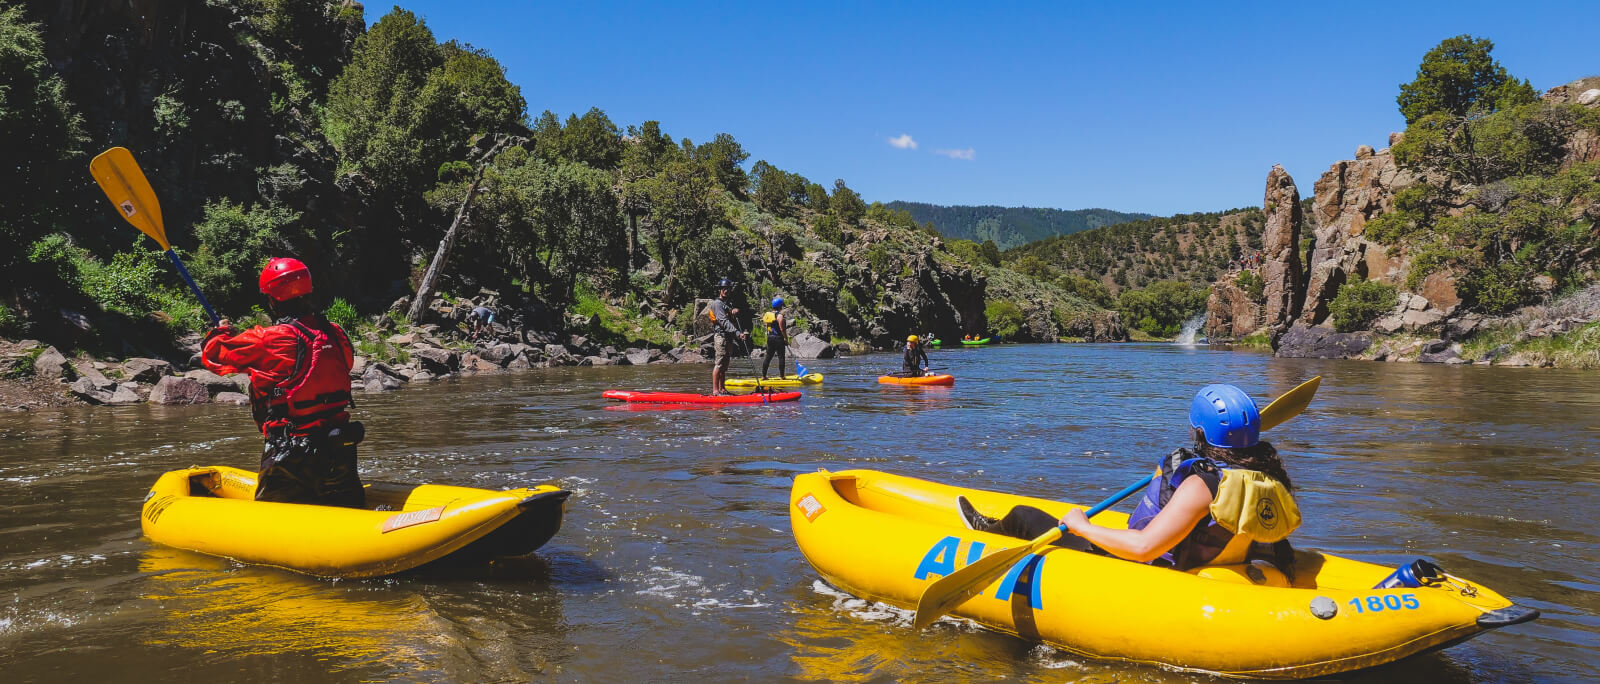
point(941, 559)
point(1009, 585)
point(974, 552)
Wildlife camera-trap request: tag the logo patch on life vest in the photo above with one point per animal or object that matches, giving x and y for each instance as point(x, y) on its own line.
point(809, 505)
point(412, 518)
point(1266, 513)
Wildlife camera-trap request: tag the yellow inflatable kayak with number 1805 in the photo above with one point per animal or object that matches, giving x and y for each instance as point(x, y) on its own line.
point(785, 381)
point(213, 510)
point(886, 538)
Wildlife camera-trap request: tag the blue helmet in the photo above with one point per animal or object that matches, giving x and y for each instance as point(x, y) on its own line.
point(1227, 415)
point(777, 302)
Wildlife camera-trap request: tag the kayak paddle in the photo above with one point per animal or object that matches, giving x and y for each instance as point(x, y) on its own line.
point(125, 185)
point(955, 588)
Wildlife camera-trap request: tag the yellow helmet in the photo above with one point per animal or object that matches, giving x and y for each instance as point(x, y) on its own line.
point(911, 338)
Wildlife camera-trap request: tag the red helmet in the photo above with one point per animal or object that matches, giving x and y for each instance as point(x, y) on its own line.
point(285, 279)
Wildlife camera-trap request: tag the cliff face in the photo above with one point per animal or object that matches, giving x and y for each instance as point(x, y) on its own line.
point(1280, 251)
point(1350, 193)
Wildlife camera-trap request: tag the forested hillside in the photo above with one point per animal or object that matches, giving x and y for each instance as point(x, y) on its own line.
point(286, 127)
point(1010, 227)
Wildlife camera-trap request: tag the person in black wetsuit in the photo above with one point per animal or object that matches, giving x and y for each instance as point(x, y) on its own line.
point(777, 337)
point(909, 366)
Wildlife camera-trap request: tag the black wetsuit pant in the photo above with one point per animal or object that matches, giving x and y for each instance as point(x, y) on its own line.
point(310, 469)
point(1027, 522)
point(775, 347)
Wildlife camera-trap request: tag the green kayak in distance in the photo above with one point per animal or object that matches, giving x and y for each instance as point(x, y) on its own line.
point(974, 343)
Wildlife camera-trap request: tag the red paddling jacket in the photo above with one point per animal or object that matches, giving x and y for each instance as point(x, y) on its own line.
point(299, 372)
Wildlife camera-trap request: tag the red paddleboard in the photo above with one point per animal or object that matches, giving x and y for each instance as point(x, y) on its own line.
point(686, 398)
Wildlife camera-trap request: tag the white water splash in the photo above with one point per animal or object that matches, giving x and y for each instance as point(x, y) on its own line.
point(1191, 327)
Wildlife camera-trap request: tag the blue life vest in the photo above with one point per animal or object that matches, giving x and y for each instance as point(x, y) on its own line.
point(1207, 540)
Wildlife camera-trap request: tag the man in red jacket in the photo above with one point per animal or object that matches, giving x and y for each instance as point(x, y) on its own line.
point(299, 393)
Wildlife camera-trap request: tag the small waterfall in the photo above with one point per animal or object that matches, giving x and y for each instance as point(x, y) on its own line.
point(1190, 328)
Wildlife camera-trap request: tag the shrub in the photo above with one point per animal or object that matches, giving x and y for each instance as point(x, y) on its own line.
point(343, 313)
point(828, 229)
point(235, 242)
point(1497, 289)
point(1005, 318)
point(11, 325)
point(1359, 302)
point(1162, 308)
point(1253, 285)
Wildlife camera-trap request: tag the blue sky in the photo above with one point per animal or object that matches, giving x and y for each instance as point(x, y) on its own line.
point(1155, 107)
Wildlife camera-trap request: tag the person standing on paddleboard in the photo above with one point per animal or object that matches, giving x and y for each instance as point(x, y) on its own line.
point(777, 337)
point(1226, 501)
point(909, 366)
point(299, 393)
point(724, 334)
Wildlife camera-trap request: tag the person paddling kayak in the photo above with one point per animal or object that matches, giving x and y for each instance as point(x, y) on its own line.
point(299, 393)
point(777, 337)
point(1226, 501)
point(724, 335)
point(909, 365)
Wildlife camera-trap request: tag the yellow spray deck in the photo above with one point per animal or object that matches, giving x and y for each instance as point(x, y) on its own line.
point(213, 510)
point(886, 538)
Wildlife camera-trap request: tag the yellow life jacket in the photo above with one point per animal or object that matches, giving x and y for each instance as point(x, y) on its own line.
point(1250, 503)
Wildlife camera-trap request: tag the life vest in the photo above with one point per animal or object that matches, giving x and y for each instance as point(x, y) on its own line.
point(1242, 502)
point(317, 392)
point(771, 319)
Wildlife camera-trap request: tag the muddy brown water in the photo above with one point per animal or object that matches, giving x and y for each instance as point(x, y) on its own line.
point(676, 562)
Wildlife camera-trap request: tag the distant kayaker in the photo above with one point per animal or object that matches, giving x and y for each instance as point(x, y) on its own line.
point(299, 392)
point(777, 337)
point(915, 363)
point(482, 320)
point(1173, 525)
point(725, 335)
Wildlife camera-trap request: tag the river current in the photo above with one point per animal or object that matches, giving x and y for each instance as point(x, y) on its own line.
point(676, 563)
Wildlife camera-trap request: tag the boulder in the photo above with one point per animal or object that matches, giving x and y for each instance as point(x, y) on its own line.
point(1588, 97)
point(1309, 342)
point(358, 367)
point(214, 383)
point(125, 393)
point(403, 340)
point(85, 389)
point(172, 390)
point(1363, 152)
point(1515, 361)
point(1416, 320)
point(421, 376)
point(521, 362)
point(233, 398)
point(435, 360)
point(499, 355)
point(90, 372)
point(808, 346)
point(51, 365)
point(689, 356)
point(380, 378)
point(596, 360)
point(476, 364)
point(1434, 346)
point(1449, 354)
point(639, 357)
point(145, 370)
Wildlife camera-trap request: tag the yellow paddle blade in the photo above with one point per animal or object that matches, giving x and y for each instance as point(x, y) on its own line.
point(124, 184)
point(1290, 404)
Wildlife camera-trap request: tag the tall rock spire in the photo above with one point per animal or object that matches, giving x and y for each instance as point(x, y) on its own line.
point(1280, 253)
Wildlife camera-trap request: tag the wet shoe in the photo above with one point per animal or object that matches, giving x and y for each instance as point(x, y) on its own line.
point(972, 518)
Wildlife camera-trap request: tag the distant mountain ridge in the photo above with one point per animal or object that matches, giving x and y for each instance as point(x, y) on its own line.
point(1012, 226)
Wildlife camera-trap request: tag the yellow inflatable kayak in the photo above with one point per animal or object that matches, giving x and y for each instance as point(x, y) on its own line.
point(785, 381)
point(213, 510)
point(886, 538)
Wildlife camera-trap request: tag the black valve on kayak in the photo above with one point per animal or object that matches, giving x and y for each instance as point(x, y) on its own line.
point(1417, 573)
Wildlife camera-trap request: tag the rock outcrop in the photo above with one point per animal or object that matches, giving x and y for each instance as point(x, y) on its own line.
point(1348, 195)
point(1230, 312)
point(1280, 252)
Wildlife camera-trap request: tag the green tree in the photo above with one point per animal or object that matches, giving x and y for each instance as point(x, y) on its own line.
point(1005, 318)
point(1458, 76)
point(372, 116)
point(846, 205)
point(725, 157)
point(1161, 308)
point(684, 206)
point(990, 253)
point(816, 197)
point(235, 242)
point(1359, 302)
point(41, 134)
point(592, 139)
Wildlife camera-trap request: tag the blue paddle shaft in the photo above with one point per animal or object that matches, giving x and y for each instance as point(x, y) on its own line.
point(173, 255)
point(1119, 496)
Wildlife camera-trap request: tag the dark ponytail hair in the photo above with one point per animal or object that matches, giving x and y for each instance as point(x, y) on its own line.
point(1262, 457)
point(299, 307)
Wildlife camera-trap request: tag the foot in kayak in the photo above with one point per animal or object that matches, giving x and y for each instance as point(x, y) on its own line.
point(971, 517)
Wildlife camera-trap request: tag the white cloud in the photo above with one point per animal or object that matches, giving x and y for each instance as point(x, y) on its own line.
point(968, 154)
point(904, 142)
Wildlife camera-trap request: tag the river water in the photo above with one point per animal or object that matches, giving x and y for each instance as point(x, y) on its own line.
point(676, 562)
